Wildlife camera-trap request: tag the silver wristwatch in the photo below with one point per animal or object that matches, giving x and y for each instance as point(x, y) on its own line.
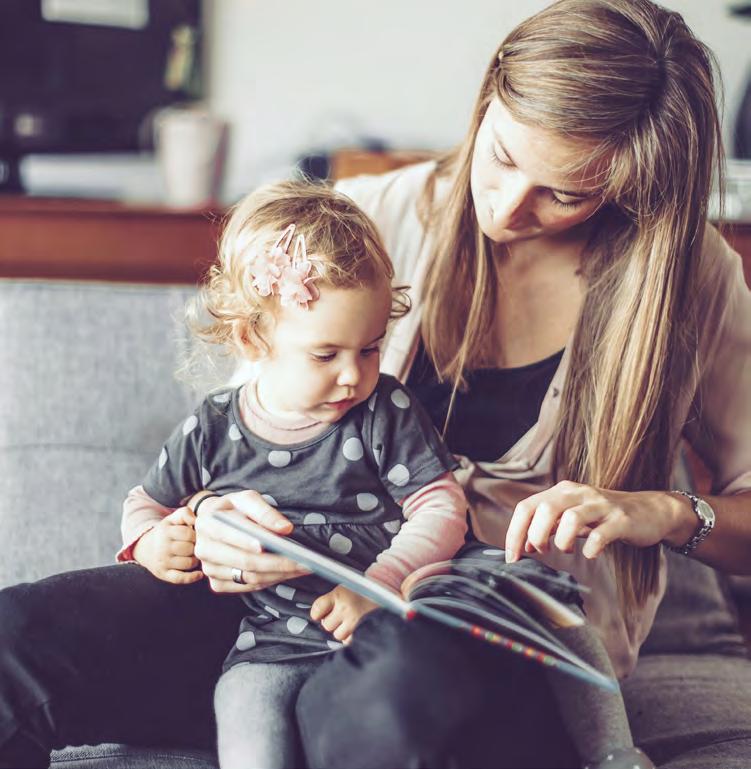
point(706, 516)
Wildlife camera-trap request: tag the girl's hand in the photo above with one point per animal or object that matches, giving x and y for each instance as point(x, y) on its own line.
point(222, 549)
point(339, 611)
point(569, 510)
point(167, 549)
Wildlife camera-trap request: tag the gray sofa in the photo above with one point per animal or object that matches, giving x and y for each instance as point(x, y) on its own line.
point(88, 396)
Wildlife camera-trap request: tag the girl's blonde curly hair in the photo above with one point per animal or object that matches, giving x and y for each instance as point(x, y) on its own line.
point(230, 312)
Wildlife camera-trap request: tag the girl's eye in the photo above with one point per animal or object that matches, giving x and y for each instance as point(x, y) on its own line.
point(323, 357)
point(371, 350)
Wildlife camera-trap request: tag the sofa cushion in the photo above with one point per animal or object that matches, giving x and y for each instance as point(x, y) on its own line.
point(691, 711)
point(696, 615)
point(89, 394)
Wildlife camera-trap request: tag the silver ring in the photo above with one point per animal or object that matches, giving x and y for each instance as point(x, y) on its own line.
point(237, 576)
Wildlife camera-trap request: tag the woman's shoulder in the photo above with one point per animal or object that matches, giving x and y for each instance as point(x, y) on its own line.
point(389, 193)
point(393, 201)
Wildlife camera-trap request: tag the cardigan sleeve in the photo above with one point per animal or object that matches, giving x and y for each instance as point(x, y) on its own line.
point(719, 425)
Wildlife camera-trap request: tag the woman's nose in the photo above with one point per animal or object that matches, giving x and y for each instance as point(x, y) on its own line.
point(511, 202)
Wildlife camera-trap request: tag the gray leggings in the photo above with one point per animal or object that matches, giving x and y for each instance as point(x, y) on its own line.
point(255, 714)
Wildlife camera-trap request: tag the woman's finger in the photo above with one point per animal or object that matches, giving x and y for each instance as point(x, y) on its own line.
point(212, 535)
point(227, 557)
point(255, 507)
point(544, 521)
point(576, 522)
point(600, 537)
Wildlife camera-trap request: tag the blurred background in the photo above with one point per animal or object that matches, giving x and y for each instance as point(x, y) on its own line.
point(100, 98)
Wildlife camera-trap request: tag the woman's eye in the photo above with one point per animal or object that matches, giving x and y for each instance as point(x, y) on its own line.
point(566, 203)
point(324, 357)
point(497, 160)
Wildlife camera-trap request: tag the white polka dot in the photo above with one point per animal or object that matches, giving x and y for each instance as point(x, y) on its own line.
point(340, 544)
point(398, 475)
point(393, 526)
point(297, 624)
point(372, 401)
point(353, 449)
point(335, 644)
point(279, 458)
point(205, 476)
point(492, 552)
point(162, 458)
point(314, 518)
point(285, 591)
point(234, 432)
point(377, 455)
point(222, 397)
point(400, 399)
point(303, 605)
point(272, 611)
point(269, 499)
point(367, 501)
point(190, 424)
point(246, 640)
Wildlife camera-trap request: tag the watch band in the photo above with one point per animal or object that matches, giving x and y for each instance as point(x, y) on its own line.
point(707, 521)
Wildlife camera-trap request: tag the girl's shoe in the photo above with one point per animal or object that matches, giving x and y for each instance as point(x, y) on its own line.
point(624, 758)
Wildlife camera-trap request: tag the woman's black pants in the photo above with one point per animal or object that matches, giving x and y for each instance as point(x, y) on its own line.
point(114, 655)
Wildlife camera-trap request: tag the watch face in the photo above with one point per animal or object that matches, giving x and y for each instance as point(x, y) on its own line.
point(704, 509)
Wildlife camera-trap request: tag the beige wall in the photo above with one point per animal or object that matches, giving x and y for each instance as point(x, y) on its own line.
point(291, 75)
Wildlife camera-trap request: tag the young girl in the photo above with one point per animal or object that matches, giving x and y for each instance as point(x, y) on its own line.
point(303, 290)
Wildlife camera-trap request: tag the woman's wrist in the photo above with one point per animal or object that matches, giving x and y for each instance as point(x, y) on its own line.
point(683, 520)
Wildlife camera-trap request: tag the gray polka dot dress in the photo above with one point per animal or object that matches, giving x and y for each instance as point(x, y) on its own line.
point(340, 489)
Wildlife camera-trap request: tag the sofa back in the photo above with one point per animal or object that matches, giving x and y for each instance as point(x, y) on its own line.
point(88, 397)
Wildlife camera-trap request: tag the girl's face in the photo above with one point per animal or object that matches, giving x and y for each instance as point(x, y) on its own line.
point(325, 360)
point(518, 189)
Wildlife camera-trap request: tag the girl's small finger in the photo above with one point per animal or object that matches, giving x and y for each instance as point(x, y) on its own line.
point(177, 577)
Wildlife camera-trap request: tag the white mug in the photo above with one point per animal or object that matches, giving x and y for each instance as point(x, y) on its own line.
point(190, 144)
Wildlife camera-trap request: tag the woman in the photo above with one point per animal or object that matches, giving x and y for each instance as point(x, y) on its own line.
point(564, 245)
point(561, 267)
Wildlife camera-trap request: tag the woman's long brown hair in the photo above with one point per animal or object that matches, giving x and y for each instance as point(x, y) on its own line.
point(630, 79)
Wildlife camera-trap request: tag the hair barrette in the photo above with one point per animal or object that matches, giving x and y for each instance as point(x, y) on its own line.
point(279, 273)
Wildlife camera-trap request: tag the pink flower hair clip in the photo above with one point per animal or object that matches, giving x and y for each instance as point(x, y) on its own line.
point(285, 275)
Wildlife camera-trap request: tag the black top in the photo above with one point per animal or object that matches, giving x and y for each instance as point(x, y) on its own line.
point(499, 406)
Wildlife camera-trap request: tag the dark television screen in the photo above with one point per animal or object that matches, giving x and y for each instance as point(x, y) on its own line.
point(88, 87)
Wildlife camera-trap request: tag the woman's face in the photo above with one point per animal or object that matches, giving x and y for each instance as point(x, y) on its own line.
point(518, 186)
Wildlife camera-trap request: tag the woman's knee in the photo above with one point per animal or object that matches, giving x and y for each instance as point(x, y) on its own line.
point(395, 697)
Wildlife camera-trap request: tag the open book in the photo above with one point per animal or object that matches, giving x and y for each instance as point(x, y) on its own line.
point(473, 595)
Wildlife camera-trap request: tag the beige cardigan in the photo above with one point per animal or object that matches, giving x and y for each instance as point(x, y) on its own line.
point(720, 431)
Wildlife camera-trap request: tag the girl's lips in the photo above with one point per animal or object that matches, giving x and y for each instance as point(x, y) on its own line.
point(342, 404)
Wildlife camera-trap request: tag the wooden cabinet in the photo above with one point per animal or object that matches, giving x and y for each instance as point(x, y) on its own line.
point(104, 240)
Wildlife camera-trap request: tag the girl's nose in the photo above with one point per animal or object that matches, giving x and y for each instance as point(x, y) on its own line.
point(349, 376)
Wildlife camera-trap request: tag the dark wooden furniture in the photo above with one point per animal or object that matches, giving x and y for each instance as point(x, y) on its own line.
point(104, 240)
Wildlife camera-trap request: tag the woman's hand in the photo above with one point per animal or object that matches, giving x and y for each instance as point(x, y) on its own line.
point(222, 549)
point(569, 510)
point(167, 549)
